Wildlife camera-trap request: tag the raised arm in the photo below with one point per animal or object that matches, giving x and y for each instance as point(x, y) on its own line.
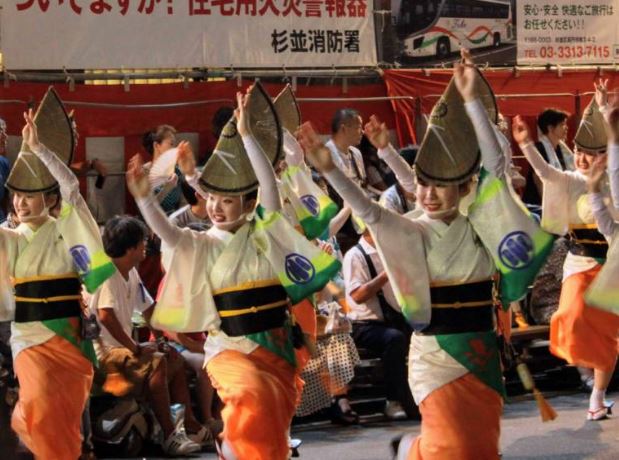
point(320, 157)
point(292, 149)
point(137, 182)
point(268, 193)
point(521, 135)
point(606, 224)
point(466, 78)
point(612, 128)
point(378, 135)
point(69, 185)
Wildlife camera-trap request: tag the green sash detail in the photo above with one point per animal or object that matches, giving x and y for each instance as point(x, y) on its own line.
point(83, 240)
point(478, 352)
point(313, 208)
point(277, 341)
point(69, 329)
point(519, 247)
point(301, 267)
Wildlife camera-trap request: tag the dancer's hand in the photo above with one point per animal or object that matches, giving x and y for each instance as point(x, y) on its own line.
point(185, 159)
point(137, 179)
point(318, 155)
point(377, 132)
point(242, 118)
point(601, 92)
point(520, 130)
point(465, 76)
point(597, 174)
point(29, 132)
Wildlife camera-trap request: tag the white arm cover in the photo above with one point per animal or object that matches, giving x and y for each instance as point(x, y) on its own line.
point(606, 224)
point(403, 172)
point(69, 185)
point(492, 157)
point(269, 195)
point(362, 206)
point(156, 219)
point(613, 172)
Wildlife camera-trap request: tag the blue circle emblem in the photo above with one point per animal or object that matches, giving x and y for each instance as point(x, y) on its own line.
point(516, 250)
point(311, 203)
point(299, 269)
point(81, 258)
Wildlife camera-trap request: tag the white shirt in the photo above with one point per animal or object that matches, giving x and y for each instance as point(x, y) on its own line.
point(343, 161)
point(356, 274)
point(124, 296)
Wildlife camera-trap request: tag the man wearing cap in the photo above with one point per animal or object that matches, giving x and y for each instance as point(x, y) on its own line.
point(48, 260)
point(238, 280)
point(454, 369)
point(581, 335)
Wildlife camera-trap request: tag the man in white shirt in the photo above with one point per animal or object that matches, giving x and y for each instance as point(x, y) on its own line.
point(378, 323)
point(346, 133)
point(139, 369)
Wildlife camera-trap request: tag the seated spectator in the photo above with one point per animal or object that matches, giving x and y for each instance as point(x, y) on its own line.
point(139, 369)
point(378, 324)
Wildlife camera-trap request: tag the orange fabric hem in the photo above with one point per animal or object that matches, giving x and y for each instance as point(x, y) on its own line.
point(55, 380)
point(580, 334)
point(260, 392)
point(460, 420)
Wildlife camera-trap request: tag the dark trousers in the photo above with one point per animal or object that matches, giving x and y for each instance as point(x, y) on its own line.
point(391, 345)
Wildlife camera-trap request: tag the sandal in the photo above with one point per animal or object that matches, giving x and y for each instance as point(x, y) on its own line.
point(602, 413)
point(343, 417)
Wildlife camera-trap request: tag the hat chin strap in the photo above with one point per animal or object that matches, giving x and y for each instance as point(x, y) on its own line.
point(44, 213)
point(441, 214)
point(228, 226)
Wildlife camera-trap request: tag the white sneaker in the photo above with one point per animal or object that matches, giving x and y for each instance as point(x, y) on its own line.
point(179, 444)
point(393, 411)
point(204, 437)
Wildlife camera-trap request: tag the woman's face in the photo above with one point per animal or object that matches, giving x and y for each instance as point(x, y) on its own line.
point(30, 207)
point(583, 161)
point(227, 209)
point(438, 200)
point(166, 144)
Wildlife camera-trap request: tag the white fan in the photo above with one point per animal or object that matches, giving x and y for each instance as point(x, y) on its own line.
point(162, 170)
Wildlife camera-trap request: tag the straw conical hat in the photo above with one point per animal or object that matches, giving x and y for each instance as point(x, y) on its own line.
point(54, 129)
point(229, 171)
point(288, 110)
point(449, 153)
point(591, 134)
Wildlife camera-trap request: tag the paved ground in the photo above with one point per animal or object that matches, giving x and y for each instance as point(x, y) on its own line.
point(524, 436)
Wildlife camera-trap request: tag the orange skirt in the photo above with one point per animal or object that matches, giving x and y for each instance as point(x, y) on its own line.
point(305, 315)
point(54, 385)
point(460, 420)
point(583, 335)
point(260, 391)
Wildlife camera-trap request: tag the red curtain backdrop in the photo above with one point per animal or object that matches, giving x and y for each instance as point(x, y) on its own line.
point(132, 122)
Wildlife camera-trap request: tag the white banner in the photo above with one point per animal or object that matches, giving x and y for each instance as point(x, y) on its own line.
point(111, 34)
point(568, 31)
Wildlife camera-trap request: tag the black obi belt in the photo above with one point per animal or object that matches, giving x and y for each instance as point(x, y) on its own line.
point(246, 311)
point(587, 242)
point(461, 308)
point(44, 298)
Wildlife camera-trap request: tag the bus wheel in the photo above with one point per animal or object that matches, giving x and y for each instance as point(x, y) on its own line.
point(496, 40)
point(443, 48)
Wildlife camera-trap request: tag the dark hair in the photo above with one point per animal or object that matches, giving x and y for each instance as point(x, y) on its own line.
point(220, 118)
point(157, 135)
point(341, 117)
point(55, 193)
point(550, 118)
point(251, 196)
point(122, 233)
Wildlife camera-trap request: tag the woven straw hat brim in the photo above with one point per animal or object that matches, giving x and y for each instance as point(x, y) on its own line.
point(449, 152)
point(288, 110)
point(229, 170)
point(591, 133)
point(55, 131)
